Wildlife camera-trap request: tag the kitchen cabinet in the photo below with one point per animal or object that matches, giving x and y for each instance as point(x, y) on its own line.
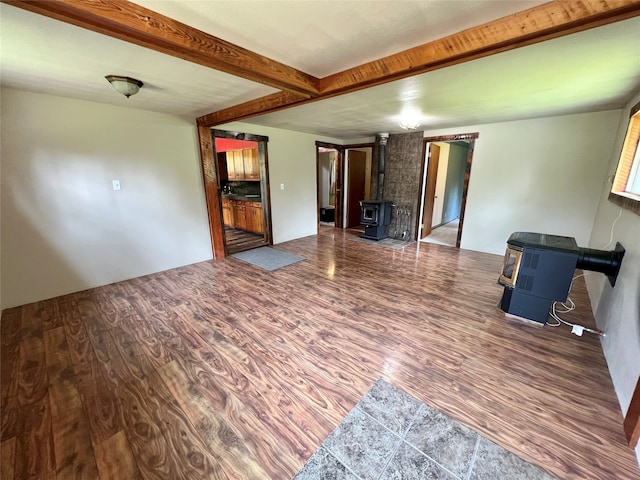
point(235, 165)
point(251, 164)
point(243, 164)
point(240, 214)
point(255, 222)
point(243, 215)
point(227, 212)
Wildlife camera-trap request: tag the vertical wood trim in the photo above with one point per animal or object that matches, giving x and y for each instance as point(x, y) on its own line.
point(265, 190)
point(211, 191)
point(632, 420)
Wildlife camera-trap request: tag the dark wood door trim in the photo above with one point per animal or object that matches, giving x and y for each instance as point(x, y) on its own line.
point(632, 419)
point(211, 190)
point(471, 137)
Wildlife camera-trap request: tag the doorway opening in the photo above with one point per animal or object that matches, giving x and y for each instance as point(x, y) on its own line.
point(236, 185)
point(445, 182)
point(343, 181)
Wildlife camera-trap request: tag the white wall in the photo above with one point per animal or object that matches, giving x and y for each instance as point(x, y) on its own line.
point(617, 309)
point(64, 228)
point(292, 162)
point(539, 175)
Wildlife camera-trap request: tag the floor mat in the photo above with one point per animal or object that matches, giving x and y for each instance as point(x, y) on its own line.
point(267, 258)
point(391, 435)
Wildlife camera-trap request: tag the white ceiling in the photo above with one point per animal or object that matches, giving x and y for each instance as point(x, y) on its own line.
point(593, 70)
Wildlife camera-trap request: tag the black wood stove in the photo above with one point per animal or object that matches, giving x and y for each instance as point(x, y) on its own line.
point(375, 215)
point(538, 270)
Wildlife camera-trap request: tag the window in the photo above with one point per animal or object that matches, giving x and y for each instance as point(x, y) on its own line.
point(626, 184)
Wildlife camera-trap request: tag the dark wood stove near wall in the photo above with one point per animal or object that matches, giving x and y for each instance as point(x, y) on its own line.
point(401, 181)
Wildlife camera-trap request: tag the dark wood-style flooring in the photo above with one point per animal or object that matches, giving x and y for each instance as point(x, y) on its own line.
point(239, 240)
point(221, 370)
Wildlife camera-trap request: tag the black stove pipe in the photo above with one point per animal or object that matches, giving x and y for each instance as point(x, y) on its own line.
point(382, 148)
point(607, 262)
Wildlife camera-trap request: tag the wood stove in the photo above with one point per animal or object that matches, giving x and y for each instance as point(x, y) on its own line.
point(375, 215)
point(538, 270)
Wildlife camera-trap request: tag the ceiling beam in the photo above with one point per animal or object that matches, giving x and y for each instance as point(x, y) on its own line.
point(270, 103)
point(544, 22)
point(135, 24)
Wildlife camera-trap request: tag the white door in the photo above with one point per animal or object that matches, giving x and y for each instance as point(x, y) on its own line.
point(441, 182)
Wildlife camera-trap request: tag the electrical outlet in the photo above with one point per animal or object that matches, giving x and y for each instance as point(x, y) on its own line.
point(116, 184)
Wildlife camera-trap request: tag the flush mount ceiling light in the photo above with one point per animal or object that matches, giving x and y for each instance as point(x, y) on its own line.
point(410, 124)
point(127, 86)
point(409, 119)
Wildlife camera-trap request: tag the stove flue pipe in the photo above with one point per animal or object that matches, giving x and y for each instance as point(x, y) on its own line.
point(382, 150)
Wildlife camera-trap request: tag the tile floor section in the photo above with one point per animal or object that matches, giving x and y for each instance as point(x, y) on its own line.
point(446, 234)
point(391, 435)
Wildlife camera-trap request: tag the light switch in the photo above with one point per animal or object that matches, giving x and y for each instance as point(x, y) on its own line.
point(282, 186)
point(116, 184)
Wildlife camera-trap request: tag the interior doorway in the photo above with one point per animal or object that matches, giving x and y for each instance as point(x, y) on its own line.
point(329, 188)
point(343, 180)
point(446, 172)
point(236, 186)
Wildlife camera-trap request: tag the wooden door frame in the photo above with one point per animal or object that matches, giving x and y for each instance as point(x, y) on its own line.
point(339, 181)
point(471, 137)
point(211, 179)
point(632, 418)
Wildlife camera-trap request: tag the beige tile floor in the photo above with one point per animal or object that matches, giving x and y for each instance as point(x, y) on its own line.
point(444, 234)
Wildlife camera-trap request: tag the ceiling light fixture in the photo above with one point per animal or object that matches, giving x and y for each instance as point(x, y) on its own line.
point(127, 86)
point(410, 119)
point(409, 124)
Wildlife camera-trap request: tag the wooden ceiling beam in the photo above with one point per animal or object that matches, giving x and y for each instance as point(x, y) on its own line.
point(135, 24)
point(270, 103)
point(544, 22)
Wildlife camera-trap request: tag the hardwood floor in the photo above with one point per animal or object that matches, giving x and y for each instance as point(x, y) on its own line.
point(224, 370)
point(240, 240)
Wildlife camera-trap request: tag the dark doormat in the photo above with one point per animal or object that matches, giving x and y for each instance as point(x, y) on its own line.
point(391, 435)
point(267, 258)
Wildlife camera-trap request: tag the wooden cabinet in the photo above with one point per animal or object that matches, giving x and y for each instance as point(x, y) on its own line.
point(243, 164)
point(227, 212)
point(251, 164)
point(243, 215)
point(239, 214)
point(255, 222)
point(235, 165)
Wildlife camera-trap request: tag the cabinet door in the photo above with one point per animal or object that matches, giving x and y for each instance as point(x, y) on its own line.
point(227, 216)
point(255, 213)
point(240, 215)
point(238, 164)
point(251, 164)
point(231, 169)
